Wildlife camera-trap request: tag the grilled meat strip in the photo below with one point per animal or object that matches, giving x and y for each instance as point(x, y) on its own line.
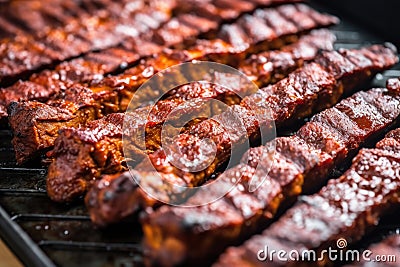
point(114, 93)
point(81, 138)
point(121, 30)
point(310, 85)
point(302, 162)
point(91, 68)
point(347, 207)
point(389, 247)
point(31, 18)
point(24, 54)
point(100, 141)
point(96, 64)
point(225, 50)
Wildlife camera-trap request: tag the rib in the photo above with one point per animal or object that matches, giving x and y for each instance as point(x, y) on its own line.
point(41, 87)
point(100, 141)
point(388, 250)
point(102, 198)
point(72, 108)
point(271, 66)
point(125, 84)
point(301, 163)
point(76, 70)
point(30, 18)
point(113, 30)
point(223, 49)
point(347, 207)
point(80, 138)
point(93, 67)
point(25, 54)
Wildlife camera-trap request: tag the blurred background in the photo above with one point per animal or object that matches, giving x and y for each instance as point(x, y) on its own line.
point(379, 17)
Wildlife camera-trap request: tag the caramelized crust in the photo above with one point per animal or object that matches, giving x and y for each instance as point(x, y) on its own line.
point(91, 68)
point(300, 163)
point(26, 53)
point(116, 25)
point(305, 99)
point(347, 207)
point(101, 140)
point(114, 93)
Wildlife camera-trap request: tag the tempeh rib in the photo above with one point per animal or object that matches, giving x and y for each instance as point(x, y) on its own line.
point(347, 208)
point(92, 67)
point(114, 93)
point(118, 31)
point(81, 138)
point(100, 141)
point(124, 31)
point(272, 66)
point(31, 18)
point(24, 54)
point(302, 162)
point(306, 90)
point(42, 86)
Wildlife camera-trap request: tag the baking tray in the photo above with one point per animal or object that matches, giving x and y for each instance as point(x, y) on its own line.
point(43, 233)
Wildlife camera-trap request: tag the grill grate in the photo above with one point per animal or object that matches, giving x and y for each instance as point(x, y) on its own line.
point(43, 233)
